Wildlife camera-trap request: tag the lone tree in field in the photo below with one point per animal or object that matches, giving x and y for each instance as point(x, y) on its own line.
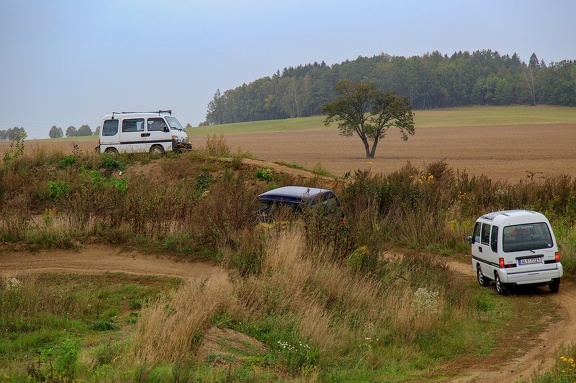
point(370, 112)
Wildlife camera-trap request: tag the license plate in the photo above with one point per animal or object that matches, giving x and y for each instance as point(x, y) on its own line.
point(529, 261)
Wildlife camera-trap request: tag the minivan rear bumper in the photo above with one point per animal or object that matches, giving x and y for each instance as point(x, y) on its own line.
point(528, 277)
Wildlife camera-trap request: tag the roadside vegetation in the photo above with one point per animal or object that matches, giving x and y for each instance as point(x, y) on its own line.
point(370, 301)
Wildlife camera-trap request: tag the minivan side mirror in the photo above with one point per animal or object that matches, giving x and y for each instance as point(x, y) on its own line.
point(166, 128)
point(470, 239)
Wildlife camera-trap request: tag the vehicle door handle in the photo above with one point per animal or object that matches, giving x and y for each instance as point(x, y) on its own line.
point(145, 135)
point(479, 249)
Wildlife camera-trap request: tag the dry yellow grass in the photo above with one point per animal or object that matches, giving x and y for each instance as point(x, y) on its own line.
point(169, 328)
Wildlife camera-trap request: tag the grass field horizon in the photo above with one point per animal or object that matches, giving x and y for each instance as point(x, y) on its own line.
point(458, 116)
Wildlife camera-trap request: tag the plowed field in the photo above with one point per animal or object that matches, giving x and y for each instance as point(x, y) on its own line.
point(500, 152)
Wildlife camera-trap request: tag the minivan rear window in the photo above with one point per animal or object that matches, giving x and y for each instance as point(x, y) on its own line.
point(110, 128)
point(530, 236)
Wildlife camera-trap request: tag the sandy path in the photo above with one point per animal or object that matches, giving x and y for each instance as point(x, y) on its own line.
point(545, 348)
point(100, 259)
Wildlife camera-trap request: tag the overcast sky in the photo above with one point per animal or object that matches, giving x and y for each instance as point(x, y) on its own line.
point(69, 62)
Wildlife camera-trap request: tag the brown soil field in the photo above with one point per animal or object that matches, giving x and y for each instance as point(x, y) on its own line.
point(499, 152)
point(509, 153)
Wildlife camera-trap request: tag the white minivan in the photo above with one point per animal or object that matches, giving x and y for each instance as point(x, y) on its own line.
point(154, 132)
point(515, 247)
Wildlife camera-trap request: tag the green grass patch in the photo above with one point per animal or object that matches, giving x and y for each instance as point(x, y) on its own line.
point(40, 315)
point(463, 116)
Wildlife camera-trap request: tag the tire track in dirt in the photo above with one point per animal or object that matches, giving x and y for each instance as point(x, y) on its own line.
point(97, 259)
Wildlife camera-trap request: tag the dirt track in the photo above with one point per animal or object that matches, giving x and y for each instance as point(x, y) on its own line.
point(103, 259)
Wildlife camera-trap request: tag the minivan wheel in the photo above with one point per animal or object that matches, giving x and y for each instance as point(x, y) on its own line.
point(500, 288)
point(157, 150)
point(111, 151)
point(555, 285)
point(482, 280)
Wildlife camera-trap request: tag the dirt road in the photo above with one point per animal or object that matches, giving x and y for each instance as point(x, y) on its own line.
point(95, 259)
point(543, 350)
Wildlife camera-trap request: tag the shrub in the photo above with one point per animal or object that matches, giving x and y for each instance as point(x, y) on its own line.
point(217, 146)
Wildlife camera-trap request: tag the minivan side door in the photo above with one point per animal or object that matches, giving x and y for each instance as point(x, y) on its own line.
point(133, 135)
point(485, 247)
point(158, 133)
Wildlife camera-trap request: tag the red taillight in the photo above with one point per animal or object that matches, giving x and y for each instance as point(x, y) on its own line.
point(501, 262)
point(557, 256)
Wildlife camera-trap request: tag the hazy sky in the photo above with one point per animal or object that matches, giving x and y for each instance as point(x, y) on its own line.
point(69, 62)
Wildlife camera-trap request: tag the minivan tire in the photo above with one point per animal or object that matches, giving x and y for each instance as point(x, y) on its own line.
point(111, 151)
point(157, 150)
point(500, 287)
point(554, 286)
point(482, 280)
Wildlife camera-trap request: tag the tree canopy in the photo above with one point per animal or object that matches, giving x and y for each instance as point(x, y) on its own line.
point(55, 132)
point(429, 81)
point(13, 134)
point(369, 112)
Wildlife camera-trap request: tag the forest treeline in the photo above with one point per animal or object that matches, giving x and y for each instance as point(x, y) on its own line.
point(429, 81)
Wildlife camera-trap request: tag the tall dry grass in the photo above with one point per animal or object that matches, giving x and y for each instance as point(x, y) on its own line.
point(336, 307)
point(171, 328)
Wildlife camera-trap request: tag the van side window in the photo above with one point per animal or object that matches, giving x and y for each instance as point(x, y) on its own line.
point(485, 236)
point(494, 239)
point(156, 124)
point(110, 128)
point(133, 125)
point(476, 235)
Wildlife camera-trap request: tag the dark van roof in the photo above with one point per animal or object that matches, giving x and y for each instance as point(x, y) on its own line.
point(296, 195)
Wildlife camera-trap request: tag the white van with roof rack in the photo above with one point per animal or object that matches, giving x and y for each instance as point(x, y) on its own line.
point(136, 132)
point(514, 248)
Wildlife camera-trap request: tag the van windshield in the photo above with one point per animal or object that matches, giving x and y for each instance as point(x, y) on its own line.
point(529, 236)
point(174, 123)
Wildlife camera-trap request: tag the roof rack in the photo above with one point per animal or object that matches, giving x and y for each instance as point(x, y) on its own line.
point(168, 111)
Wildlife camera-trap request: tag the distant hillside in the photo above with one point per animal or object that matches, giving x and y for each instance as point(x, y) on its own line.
point(430, 81)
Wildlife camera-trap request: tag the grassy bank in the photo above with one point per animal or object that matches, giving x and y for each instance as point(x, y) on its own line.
point(325, 303)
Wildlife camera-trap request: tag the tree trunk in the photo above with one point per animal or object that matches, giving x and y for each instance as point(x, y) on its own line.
point(366, 147)
point(373, 151)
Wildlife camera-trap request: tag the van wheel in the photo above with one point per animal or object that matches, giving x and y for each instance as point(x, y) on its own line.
point(157, 151)
point(555, 285)
point(500, 287)
point(482, 280)
point(111, 151)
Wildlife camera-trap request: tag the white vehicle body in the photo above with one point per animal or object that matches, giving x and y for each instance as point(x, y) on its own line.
point(155, 132)
point(515, 247)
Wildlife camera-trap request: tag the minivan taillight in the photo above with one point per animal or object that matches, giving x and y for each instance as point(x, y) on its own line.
point(500, 262)
point(557, 256)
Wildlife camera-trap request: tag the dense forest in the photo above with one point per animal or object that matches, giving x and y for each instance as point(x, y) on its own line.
point(430, 81)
